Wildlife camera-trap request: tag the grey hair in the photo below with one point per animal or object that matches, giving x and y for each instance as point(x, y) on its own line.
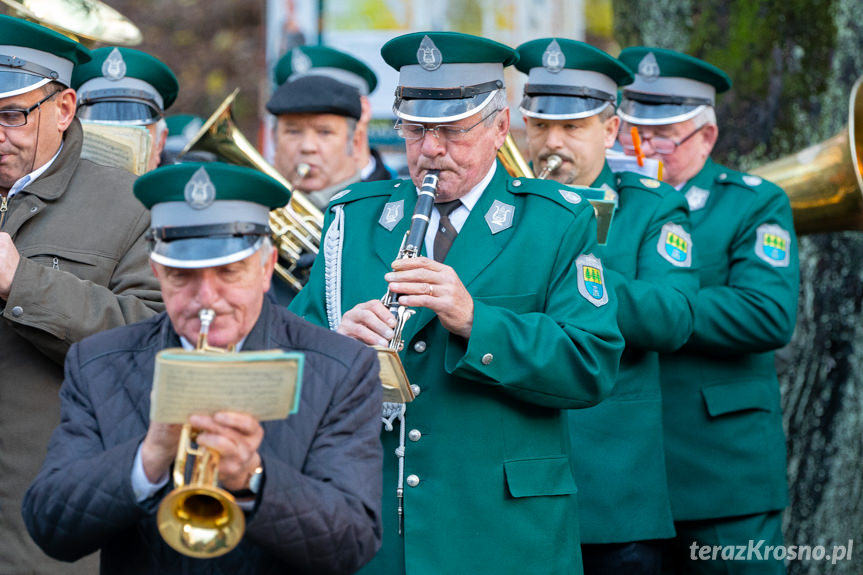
point(265, 250)
point(498, 103)
point(352, 127)
point(161, 127)
point(706, 116)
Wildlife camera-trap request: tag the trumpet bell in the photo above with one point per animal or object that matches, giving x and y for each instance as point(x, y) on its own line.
point(201, 522)
point(825, 182)
point(86, 21)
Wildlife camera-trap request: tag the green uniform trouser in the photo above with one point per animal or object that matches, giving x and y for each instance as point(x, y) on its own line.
point(741, 546)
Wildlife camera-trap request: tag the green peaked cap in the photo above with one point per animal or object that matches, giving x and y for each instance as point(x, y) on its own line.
point(326, 61)
point(568, 79)
point(32, 55)
point(207, 214)
point(445, 76)
point(119, 70)
point(669, 86)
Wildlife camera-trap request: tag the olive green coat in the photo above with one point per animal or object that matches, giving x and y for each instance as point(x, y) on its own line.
point(620, 439)
point(725, 447)
point(495, 493)
point(84, 268)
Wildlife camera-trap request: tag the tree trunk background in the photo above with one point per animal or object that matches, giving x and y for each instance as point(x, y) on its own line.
point(793, 63)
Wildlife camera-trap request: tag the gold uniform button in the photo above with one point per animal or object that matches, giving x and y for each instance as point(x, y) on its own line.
point(413, 480)
point(487, 358)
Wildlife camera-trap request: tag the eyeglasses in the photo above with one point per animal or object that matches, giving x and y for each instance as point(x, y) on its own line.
point(16, 118)
point(663, 146)
point(445, 132)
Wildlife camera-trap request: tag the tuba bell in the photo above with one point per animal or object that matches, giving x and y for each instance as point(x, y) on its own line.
point(86, 21)
point(198, 518)
point(825, 182)
point(295, 228)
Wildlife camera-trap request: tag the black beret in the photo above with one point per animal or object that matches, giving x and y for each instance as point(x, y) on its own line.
point(316, 95)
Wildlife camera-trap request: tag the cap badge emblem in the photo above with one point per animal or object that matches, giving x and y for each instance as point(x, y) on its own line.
point(428, 56)
point(114, 67)
point(648, 68)
point(553, 59)
point(300, 62)
point(200, 191)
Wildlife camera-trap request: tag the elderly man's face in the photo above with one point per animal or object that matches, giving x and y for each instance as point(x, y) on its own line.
point(234, 291)
point(580, 143)
point(25, 148)
point(464, 161)
point(688, 157)
point(322, 141)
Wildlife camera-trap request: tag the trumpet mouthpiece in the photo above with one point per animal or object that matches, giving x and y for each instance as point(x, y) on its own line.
point(303, 170)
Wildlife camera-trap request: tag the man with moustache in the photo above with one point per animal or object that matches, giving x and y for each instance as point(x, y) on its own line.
point(569, 111)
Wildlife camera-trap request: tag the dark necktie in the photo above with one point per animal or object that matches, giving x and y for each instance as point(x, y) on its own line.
point(446, 231)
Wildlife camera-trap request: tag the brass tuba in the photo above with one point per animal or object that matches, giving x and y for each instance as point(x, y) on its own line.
point(296, 228)
point(825, 182)
point(86, 21)
point(198, 518)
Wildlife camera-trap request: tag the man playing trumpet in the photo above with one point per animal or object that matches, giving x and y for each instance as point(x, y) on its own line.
point(310, 485)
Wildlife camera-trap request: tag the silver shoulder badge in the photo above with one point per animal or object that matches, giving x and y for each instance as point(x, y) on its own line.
point(114, 67)
point(392, 214)
point(773, 245)
point(200, 192)
point(591, 281)
point(553, 59)
point(675, 245)
point(428, 55)
point(570, 196)
point(648, 68)
point(697, 198)
point(499, 216)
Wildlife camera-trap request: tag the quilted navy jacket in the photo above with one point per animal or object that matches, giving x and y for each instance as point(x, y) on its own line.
point(319, 509)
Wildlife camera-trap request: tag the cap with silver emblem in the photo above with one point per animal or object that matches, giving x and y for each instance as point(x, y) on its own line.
point(669, 86)
point(31, 56)
point(124, 85)
point(207, 214)
point(445, 76)
point(568, 79)
point(325, 61)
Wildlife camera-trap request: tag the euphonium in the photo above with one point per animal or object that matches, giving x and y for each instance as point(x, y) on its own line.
point(410, 248)
point(295, 228)
point(511, 158)
point(199, 519)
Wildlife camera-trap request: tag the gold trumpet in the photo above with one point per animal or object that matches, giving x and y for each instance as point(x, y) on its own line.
point(198, 518)
point(295, 228)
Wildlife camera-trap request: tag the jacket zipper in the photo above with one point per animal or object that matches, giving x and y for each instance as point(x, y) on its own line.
point(3, 207)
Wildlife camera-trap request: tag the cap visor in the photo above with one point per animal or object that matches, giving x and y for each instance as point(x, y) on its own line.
point(126, 112)
point(441, 110)
point(210, 252)
point(561, 107)
point(656, 114)
point(13, 83)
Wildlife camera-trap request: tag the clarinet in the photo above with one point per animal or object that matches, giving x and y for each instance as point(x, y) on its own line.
point(410, 248)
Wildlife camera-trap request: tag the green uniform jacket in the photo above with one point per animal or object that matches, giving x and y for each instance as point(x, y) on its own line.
point(84, 268)
point(648, 260)
point(725, 447)
point(486, 442)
